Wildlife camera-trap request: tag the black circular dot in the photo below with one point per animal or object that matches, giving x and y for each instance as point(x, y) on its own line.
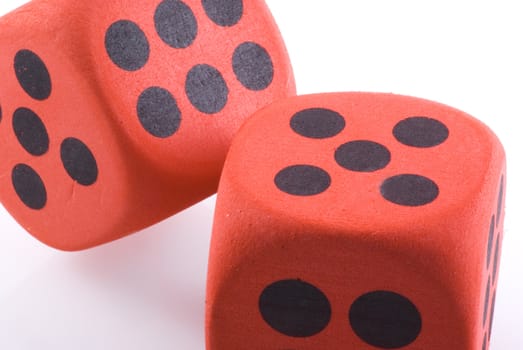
point(32, 74)
point(253, 66)
point(496, 260)
point(490, 239)
point(385, 319)
point(500, 201)
point(303, 180)
point(421, 132)
point(158, 112)
point(409, 190)
point(225, 13)
point(127, 45)
point(30, 131)
point(175, 23)
point(206, 89)
point(492, 307)
point(29, 186)
point(363, 156)
point(78, 161)
point(486, 303)
point(317, 123)
point(295, 308)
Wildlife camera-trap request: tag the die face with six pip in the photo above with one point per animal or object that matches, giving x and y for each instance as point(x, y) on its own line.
point(357, 221)
point(118, 114)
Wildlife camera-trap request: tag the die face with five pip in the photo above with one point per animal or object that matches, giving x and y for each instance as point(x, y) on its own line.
point(357, 221)
point(117, 114)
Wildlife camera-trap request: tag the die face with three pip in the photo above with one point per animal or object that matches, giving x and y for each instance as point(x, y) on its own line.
point(357, 221)
point(117, 114)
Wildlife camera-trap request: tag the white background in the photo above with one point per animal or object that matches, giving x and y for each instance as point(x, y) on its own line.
point(147, 291)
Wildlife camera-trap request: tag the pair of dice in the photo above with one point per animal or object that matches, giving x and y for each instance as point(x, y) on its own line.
point(349, 220)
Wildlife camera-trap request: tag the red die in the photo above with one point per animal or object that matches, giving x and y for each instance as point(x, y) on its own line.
point(118, 114)
point(376, 224)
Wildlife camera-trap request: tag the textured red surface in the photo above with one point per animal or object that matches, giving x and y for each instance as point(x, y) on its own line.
point(349, 240)
point(141, 178)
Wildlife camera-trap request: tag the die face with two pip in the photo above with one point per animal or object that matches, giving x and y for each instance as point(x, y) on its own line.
point(117, 114)
point(357, 221)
